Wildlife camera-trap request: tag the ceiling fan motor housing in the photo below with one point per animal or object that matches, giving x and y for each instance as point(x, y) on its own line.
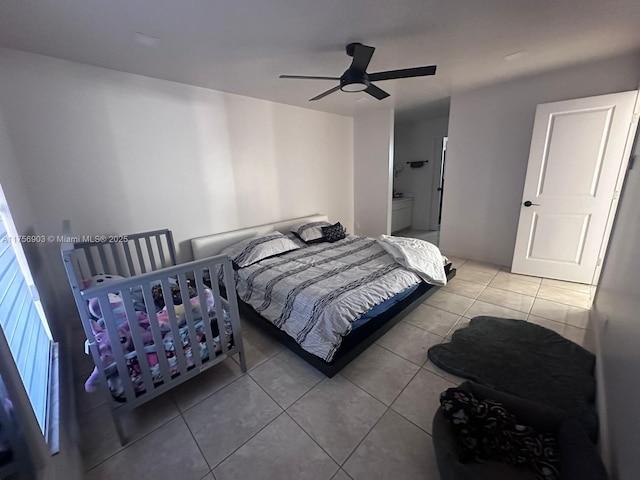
point(354, 81)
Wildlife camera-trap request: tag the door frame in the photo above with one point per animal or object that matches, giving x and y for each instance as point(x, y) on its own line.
point(632, 134)
point(627, 139)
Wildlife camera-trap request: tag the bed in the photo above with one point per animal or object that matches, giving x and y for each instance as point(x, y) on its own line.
point(327, 302)
point(150, 324)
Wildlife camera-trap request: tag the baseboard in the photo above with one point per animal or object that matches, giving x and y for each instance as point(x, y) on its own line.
point(604, 445)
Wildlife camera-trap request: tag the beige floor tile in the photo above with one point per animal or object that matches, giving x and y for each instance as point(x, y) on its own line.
point(282, 451)
point(477, 276)
point(464, 288)
point(206, 384)
point(576, 287)
point(420, 400)
point(166, 454)
point(563, 295)
point(482, 266)
point(224, 421)
point(409, 342)
point(341, 475)
point(504, 298)
point(513, 283)
point(395, 449)
point(489, 309)
point(432, 319)
point(449, 301)
point(99, 439)
point(258, 346)
point(381, 373)
point(507, 270)
point(286, 377)
point(578, 317)
point(338, 415)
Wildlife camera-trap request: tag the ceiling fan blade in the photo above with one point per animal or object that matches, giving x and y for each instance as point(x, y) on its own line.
point(324, 94)
point(361, 57)
point(376, 92)
point(404, 73)
point(305, 77)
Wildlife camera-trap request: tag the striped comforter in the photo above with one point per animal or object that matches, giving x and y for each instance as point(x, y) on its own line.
point(315, 293)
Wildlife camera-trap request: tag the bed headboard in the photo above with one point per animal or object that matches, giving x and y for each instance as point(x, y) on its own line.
point(209, 245)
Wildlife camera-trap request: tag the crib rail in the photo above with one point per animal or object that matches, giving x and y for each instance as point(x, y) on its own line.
point(186, 356)
point(124, 255)
point(146, 260)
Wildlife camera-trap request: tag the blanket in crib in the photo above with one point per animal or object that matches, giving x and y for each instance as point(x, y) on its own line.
point(317, 292)
point(168, 348)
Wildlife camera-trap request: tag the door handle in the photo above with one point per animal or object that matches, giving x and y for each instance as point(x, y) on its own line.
point(529, 204)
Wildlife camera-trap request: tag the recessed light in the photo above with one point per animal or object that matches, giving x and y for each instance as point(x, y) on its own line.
point(146, 40)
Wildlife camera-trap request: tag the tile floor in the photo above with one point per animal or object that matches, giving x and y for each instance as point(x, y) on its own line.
point(284, 420)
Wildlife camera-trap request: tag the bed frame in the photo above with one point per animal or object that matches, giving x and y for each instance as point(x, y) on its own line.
point(143, 259)
point(354, 343)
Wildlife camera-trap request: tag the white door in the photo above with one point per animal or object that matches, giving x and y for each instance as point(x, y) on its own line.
point(578, 150)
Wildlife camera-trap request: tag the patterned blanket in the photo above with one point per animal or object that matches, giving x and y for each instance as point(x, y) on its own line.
point(317, 292)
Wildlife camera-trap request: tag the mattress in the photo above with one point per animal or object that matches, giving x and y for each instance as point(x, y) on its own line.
point(317, 293)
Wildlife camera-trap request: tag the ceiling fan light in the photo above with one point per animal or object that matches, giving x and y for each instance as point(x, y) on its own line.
point(354, 87)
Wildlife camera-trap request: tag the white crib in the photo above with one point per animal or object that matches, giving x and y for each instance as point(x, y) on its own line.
point(166, 348)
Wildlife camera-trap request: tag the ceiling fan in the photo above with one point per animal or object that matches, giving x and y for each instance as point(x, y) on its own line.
point(356, 78)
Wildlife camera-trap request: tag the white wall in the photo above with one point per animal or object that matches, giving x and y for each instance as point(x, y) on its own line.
point(373, 165)
point(489, 138)
point(615, 316)
point(415, 141)
point(122, 153)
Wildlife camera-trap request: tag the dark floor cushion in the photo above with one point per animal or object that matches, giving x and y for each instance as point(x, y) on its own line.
point(578, 457)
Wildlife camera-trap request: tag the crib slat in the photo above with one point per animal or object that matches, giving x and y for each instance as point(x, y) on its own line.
point(138, 343)
point(171, 247)
point(215, 287)
point(103, 258)
point(116, 258)
point(205, 308)
point(114, 338)
point(127, 254)
point(191, 324)
point(152, 258)
point(173, 322)
point(136, 242)
point(89, 257)
point(163, 260)
point(156, 333)
point(232, 299)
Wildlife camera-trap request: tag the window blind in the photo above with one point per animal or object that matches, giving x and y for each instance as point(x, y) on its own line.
point(22, 320)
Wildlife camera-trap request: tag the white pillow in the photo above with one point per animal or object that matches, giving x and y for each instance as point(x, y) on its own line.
point(310, 232)
point(252, 250)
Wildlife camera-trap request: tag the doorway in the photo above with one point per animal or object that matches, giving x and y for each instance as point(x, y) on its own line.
point(577, 163)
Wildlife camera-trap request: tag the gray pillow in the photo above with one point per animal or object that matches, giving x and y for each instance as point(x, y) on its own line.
point(252, 250)
point(310, 232)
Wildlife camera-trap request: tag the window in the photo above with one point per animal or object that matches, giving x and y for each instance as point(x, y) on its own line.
point(24, 325)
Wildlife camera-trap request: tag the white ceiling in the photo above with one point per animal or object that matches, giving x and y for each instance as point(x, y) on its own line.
point(241, 46)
